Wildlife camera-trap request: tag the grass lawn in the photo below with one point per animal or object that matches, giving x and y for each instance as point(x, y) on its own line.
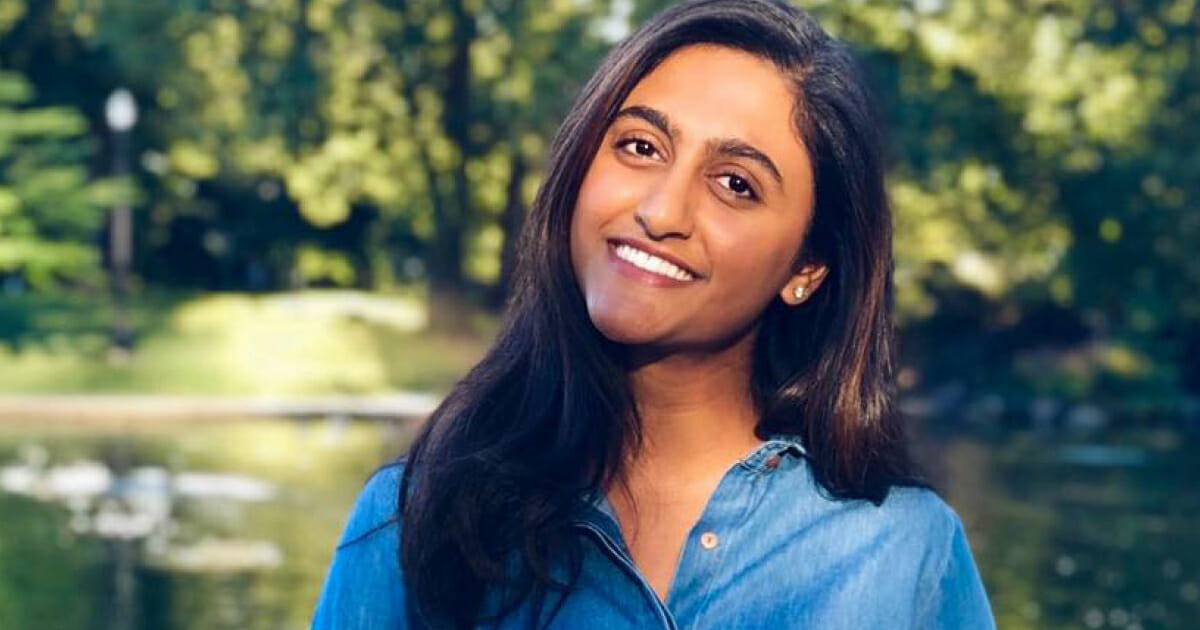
point(298, 343)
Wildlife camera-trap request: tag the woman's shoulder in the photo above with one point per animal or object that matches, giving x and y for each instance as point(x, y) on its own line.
point(377, 507)
point(919, 507)
point(364, 586)
point(914, 521)
point(915, 516)
point(926, 530)
point(953, 592)
point(906, 508)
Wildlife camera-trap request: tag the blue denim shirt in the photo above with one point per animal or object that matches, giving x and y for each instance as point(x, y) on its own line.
point(769, 551)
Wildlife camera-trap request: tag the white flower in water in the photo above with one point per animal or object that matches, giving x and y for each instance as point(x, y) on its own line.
point(113, 523)
point(218, 555)
point(79, 479)
point(223, 486)
point(18, 479)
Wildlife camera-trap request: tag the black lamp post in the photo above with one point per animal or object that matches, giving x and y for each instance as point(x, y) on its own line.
point(120, 112)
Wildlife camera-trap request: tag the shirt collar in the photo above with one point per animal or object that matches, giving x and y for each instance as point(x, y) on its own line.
point(767, 456)
point(764, 458)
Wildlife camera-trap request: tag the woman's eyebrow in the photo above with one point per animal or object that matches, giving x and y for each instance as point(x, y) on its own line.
point(732, 147)
point(652, 116)
point(738, 148)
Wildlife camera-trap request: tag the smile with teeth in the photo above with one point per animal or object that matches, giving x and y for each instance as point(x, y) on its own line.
point(651, 263)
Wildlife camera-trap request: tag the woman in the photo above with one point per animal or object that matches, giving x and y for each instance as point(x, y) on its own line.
point(687, 419)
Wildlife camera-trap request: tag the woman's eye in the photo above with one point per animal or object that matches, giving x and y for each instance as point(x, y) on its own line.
point(641, 148)
point(739, 186)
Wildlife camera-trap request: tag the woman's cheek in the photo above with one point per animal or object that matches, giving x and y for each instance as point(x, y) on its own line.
point(752, 267)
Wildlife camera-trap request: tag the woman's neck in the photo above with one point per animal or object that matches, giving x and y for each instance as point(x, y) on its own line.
point(697, 411)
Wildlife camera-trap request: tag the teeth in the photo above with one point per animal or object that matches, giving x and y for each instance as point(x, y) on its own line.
point(653, 264)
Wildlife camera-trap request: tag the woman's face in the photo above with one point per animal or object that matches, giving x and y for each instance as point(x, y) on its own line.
point(692, 211)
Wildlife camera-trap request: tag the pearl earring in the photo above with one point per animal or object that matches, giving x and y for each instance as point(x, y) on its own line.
point(799, 293)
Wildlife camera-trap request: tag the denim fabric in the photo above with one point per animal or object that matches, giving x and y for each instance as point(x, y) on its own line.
point(769, 552)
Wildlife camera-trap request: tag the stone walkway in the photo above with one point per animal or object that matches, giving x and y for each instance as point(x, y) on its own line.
point(399, 405)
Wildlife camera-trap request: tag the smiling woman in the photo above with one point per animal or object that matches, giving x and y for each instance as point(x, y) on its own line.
point(687, 419)
point(685, 176)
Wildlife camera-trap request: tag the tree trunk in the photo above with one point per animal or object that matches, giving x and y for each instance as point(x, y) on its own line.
point(449, 307)
point(511, 222)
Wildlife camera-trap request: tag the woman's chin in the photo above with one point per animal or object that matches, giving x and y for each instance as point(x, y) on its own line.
point(626, 329)
point(627, 335)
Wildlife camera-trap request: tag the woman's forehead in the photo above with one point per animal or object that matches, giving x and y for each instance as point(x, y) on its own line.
point(718, 84)
point(708, 92)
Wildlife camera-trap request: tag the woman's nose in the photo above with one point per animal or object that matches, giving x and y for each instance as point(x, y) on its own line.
point(667, 210)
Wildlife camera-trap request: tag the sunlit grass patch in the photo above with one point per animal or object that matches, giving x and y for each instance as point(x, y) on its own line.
point(310, 342)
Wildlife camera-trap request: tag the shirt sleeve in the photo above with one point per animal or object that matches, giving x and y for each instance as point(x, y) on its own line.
point(959, 601)
point(364, 587)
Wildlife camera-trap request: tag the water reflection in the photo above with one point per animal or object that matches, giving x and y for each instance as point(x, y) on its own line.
point(1085, 535)
point(207, 527)
point(137, 505)
point(232, 525)
point(1102, 455)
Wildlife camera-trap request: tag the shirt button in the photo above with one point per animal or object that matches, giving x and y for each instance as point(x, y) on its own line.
point(709, 540)
point(772, 462)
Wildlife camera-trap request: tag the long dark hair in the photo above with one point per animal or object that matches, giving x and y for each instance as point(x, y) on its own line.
point(493, 478)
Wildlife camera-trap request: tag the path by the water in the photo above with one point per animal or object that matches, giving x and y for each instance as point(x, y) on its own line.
point(398, 405)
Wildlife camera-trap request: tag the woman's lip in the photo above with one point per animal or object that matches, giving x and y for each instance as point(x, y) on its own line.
point(654, 251)
point(629, 270)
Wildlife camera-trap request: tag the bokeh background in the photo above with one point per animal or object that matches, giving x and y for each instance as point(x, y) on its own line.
point(246, 245)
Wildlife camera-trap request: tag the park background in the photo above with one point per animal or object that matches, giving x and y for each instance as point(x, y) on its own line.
point(245, 245)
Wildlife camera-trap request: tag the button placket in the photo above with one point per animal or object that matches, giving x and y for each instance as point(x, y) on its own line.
point(706, 560)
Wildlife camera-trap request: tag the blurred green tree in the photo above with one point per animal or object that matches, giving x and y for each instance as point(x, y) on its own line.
point(1042, 154)
point(428, 116)
point(1043, 162)
point(1043, 157)
point(51, 210)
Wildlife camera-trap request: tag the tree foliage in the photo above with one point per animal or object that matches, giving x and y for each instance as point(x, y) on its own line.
point(51, 208)
point(1043, 158)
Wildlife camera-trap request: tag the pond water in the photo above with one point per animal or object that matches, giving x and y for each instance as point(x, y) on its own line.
point(231, 524)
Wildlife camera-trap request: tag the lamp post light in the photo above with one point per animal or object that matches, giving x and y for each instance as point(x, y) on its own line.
point(120, 113)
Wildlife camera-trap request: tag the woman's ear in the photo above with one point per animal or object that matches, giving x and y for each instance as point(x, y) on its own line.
point(808, 278)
